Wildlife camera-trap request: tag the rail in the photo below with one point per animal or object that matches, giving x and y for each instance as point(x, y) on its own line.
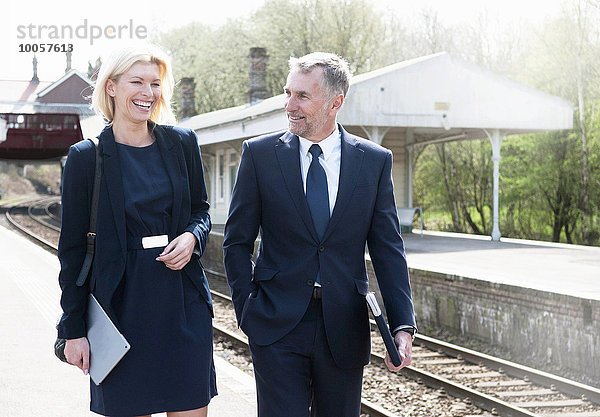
point(507, 385)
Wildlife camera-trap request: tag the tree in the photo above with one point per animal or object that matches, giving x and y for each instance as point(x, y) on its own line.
point(541, 179)
point(564, 61)
point(349, 28)
point(220, 80)
point(465, 169)
point(217, 57)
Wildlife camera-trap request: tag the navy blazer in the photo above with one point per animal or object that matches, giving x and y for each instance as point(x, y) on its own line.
point(271, 297)
point(181, 155)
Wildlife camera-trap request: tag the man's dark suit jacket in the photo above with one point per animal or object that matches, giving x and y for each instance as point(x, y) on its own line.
point(179, 149)
point(271, 297)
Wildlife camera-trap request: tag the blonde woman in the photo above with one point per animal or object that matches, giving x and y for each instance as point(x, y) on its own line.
point(157, 294)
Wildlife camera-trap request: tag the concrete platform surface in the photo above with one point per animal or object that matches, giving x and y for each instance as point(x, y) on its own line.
point(559, 268)
point(32, 381)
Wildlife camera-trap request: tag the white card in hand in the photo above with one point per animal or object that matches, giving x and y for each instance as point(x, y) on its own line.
point(160, 241)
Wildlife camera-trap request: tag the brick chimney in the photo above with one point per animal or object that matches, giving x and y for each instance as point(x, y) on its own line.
point(187, 98)
point(258, 75)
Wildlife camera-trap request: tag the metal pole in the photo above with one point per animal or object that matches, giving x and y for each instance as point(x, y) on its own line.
point(496, 138)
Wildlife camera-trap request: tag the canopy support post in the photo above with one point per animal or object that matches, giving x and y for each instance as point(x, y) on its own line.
point(375, 133)
point(496, 138)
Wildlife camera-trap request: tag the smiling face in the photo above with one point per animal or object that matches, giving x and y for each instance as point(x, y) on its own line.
point(311, 113)
point(136, 93)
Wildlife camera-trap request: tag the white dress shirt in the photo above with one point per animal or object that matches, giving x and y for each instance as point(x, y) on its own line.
point(329, 160)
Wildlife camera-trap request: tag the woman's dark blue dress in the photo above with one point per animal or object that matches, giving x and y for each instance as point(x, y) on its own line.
point(168, 325)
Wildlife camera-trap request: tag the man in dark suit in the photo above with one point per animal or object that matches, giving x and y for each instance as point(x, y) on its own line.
point(317, 195)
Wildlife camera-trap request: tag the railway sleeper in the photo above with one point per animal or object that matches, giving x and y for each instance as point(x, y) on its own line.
point(551, 404)
point(571, 414)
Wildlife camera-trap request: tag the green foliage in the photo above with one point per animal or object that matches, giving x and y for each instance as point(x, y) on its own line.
point(219, 72)
point(539, 179)
point(349, 28)
point(457, 178)
point(540, 186)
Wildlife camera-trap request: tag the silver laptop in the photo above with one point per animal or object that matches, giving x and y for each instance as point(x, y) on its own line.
point(107, 345)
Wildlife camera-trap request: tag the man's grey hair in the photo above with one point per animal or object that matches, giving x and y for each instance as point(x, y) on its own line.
point(337, 74)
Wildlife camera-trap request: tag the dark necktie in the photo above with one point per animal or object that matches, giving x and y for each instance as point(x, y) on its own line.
point(317, 195)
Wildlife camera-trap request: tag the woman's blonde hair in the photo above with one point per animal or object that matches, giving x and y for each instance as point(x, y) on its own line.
point(118, 63)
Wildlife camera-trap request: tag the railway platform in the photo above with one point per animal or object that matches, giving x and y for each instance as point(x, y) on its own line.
point(572, 270)
point(32, 381)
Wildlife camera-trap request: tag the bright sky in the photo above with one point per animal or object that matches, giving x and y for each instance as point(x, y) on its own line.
point(22, 21)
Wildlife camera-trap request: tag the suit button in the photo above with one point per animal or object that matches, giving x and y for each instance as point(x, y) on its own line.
point(310, 283)
point(321, 248)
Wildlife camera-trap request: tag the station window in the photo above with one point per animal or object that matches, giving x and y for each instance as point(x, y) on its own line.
point(225, 171)
point(70, 123)
point(208, 162)
point(233, 163)
point(16, 121)
point(54, 122)
point(34, 121)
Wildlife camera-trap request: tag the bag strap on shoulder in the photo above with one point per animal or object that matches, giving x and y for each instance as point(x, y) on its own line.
point(91, 235)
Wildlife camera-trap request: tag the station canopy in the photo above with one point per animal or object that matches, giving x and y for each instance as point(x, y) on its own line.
point(437, 95)
point(431, 99)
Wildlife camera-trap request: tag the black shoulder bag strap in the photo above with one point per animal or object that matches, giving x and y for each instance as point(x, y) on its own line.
point(91, 235)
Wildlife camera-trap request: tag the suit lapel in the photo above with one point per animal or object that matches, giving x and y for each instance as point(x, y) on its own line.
point(174, 166)
point(114, 182)
point(288, 156)
point(350, 166)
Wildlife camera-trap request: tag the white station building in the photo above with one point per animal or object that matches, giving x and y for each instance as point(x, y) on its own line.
point(432, 99)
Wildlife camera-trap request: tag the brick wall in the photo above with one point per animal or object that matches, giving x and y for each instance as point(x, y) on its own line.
point(553, 327)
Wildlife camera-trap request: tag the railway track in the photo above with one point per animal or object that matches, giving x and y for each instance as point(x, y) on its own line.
point(52, 210)
point(43, 212)
point(37, 212)
point(500, 387)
